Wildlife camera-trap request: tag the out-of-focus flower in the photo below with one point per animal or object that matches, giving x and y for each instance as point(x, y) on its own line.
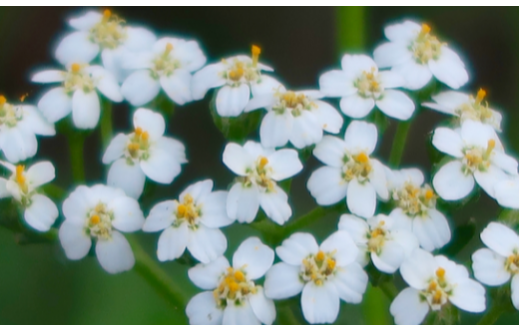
point(40, 212)
point(19, 125)
point(100, 212)
point(350, 171)
point(361, 86)
point(416, 54)
point(324, 274)
point(258, 171)
point(232, 296)
point(143, 153)
point(237, 76)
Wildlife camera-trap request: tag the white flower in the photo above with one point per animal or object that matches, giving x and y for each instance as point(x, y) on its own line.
point(434, 281)
point(417, 55)
point(167, 65)
point(361, 86)
point(324, 274)
point(103, 33)
point(299, 117)
point(380, 239)
point(466, 107)
point(350, 171)
point(239, 75)
point(232, 297)
point(193, 222)
point(78, 94)
point(479, 155)
point(19, 125)
point(100, 212)
point(496, 265)
point(258, 171)
point(40, 212)
point(416, 208)
point(507, 192)
point(143, 153)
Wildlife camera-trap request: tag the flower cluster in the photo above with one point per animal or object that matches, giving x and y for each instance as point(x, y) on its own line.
point(390, 220)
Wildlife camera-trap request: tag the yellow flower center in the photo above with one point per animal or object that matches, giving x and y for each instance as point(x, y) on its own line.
point(165, 63)
point(9, 115)
point(477, 109)
point(109, 32)
point(438, 291)
point(233, 286)
point(377, 238)
point(415, 200)
point(243, 71)
point(357, 166)
point(317, 268)
point(138, 145)
point(368, 84)
point(99, 222)
point(77, 79)
point(188, 212)
point(291, 101)
point(512, 263)
point(476, 158)
point(426, 46)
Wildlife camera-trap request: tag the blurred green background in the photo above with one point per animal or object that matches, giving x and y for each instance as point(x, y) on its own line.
point(38, 285)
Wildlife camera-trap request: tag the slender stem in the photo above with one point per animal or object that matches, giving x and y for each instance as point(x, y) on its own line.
point(106, 123)
point(374, 307)
point(287, 317)
point(399, 141)
point(493, 314)
point(308, 219)
point(389, 289)
point(75, 143)
point(351, 29)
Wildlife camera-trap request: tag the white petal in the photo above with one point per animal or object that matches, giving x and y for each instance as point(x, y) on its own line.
point(140, 88)
point(106, 83)
point(361, 136)
point(320, 303)
point(296, 248)
point(500, 238)
point(86, 109)
point(449, 71)
point(478, 134)
point(203, 310)
point(306, 130)
point(432, 231)
point(356, 227)
point(391, 54)
point(214, 212)
point(275, 129)
point(243, 203)
point(49, 76)
point(356, 106)
point(361, 198)
point(174, 148)
point(239, 315)
point(451, 99)
point(76, 47)
point(390, 258)
point(206, 244)
point(402, 32)
point(207, 78)
point(256, 150)
point(489, 178)
point(262, 307)
point(262, 101)
point(285, 163)
point(489, 267)
point(282, 281)
point(149, 121)
point(178, 86)
point(505, 162)
point(401, 219)
point(85, 22)
point(115, 254)
point(336, 83)
point(275, 204)
point(515, 291)
point(237, 159)
point(469, 296)
point(172, 242)
point(253, 257)
point(207, 276)
point(341, 244)
point(507, 193)
point(390, 79)
point(160, 167)
point(418, 268)
point(396, 104)
point(74, 240)
point(331, 151)
point(115, 149)
point(127, 213)
point(17, 144)
point(78, 204)
point(329, 117)
point(139, 39)
point(55, 105)
point(3, 189)
point(161, 216)
point(35, 122)
point(408, 308)
point(351, 282)
point(128, 177)
point(356, 64)
point(378, 179)
point(197, 190)
point(450, 182)
point(266, 85)
point(415, 75)
point(448, 141)
point(327, 185)
point(40, 173)
point(42, 213)
point(231, 101)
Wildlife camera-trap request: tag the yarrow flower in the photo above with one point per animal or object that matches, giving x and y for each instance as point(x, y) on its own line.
point(380, 239)
point(416, 208)
point(19, 125)
point(238, 77)
point(192, 221)
point(350, 171)
point(40, 212)
point(479, 155)
point(361, 86)
point(258, 171)
point(232, 296)
point(466, 107)
point(81, 82)
point(416, 54)
point(100, 212)
point(507, 192)
point(105, 33)
point(434, 282)
point(295, 116)
point(167, 65)
point(143, 153)
point(324, 274)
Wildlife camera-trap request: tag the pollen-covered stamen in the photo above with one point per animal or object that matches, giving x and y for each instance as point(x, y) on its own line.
point(426, 46)
point(3, 100)
point(368, 84)
point(20, 178)
point(233, 286)
point(291, 101)
point(9, 114)
point(477, 109)
point(357, 166)
point(377, 238)
point(317, 268)
point(77, 78)
point(438, 291)
point(188, 211)
point(256, 51)
point(99, 222)
point(109, 32)
point(138, 145)
point(512, 262)
point(413, 200)
point(243, 70)
point(165, 63)
point(476, 158)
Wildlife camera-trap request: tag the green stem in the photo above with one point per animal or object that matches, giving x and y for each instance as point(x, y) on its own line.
point(106, 123)
point(286, 316)
point(493, 314)
point(389, 289)
point(375, 307)
point(75, 143)
point(309, 218)
point(399, 141)
point(351, 29)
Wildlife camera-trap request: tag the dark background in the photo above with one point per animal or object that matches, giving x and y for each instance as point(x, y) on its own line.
point(39, 285)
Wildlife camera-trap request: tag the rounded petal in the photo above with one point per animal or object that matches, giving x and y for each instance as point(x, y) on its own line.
point(17, 144)
point(355, 64)
point(341, 244)
point(361, 198)
point(237, 159)
point(41, 214)
point(489, 267)
point(356, 227)
point(450, 182)
point(76, 47)
point(85, 22)
point(507, 193)
point(3, 189)
point(408, 308)
point(306, 130)
point(356, 106)
point(266, 85)
point(449, 70)
point(161, 216)
point(49, 76)
point(40, 173)
point(478, 134)
point(275, 204)
point(336, 83)
point(282, 281)
point(262, 307)
point(115, 149)
point(390, 258)
point(203, 310)
point(391, 54)
point(78, 204)
point(55, 105)
point(160, 167)
point(401, 220)
point(139, 39)
point(505, 162)
point(231, 101)
point(451, 99)
point(418, 268)
point(320, 303)
point(415, 75)
point(239, 314)
point(128, 216)
point(432, 231)
point(378, 179)
point(396, 104)
point(172, 242)
point(140, 88)
point(206, 244)
point(115, 254)
point(253, 257)
point(214, 210)
point(285, 163)
point(243, 203)
point(327, 185)
point(515, 291)
point(127, 176)
point(351, 282)
point(106, 83)
point(197, 190)
point(489, 178)
point(151, 122)
point(448, 141)
point(361, 136)
point(402, 32)
point(275, 129)
point(331, 120)
point(500, 238)
point(178, 86)
point(331, 151)
point(207, 276)
point(207, 78)
point(86, 109)
point(296, 248)
point(469, 296)
point(74, 240)
point(390, 79)
point(34, 121)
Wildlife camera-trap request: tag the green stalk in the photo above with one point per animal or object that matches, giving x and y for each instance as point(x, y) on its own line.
point(493, 314)
point(351, 29)
point(375, 307)
point(389, 289)
point(75, 144)
point(399, 141)
point(106, 123)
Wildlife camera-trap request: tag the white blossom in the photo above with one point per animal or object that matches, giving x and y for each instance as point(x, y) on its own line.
point(239, 77)
point(507, 192)
point(192, 221)
point(324, 274)
point(350, 171)
point(39, 211)
point(434, 281)
point(100, 212)
point(416, 54)
point(19, 125)
point(143, 153)
point(232, 296)
point(478, 154)
point(258, 171)
point(361, 86)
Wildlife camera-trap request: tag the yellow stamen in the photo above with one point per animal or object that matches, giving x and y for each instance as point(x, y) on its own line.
point(319, 282)
point(145, 136)
point(239, 276)
point(440, 273)
point(362, 158)
point(133, 147)
point(491, 144)
point(425, 29)
point(76, 67)
point(437, 296)
point(429, 194)
point(233, 287)
point(20, 178)
point(256, 51)
point(181, 210)
point(331, 263)
point(263, 161)
point(107, 13)
point(169, 47)
point(236, 74)
point(2, 100)
point(22, 97)
point(188, 199)
point(320, 256)
point(432, 286)
point(138, 131)
point(94, 220)
point(481, 95)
